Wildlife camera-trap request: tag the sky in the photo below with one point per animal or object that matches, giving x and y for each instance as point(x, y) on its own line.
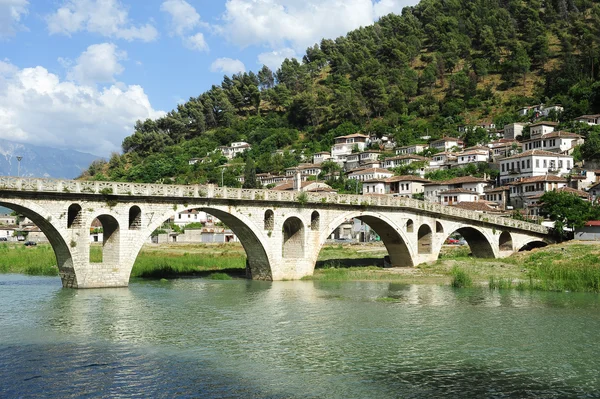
point(77, 74)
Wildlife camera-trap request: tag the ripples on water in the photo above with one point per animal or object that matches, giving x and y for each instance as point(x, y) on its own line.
point(244, 339)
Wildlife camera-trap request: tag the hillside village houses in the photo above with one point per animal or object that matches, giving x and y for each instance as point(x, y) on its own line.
point(235, 148)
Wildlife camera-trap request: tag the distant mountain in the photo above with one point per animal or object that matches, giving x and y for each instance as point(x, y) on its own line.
point(42, 161)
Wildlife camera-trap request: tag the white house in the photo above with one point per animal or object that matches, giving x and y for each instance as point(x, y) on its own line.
point(534, 163)
point(7, 231)
point(370, 174)
point(446, 144)
point(541, 128)
point(402, 160)
point(398, 186)
point(442, 158)
point(523, 190)
point(473, 156)
point(306, 169)
point(235, 148)
point(513, 130)
point(321, 157)
point(476, 185)
point(352, 161)
point(191, 216)
point(504, 148)
point(456, 196)
point(498, 195)
point(345, 144)
point(561, 142)
point(589, 119)
point(411, 149)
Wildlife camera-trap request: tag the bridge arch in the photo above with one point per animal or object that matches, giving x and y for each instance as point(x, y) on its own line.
point(505, 241)
point(258, 265)
point(111, 240)
point(74, 216)
point(533, 245)
point(393, 236)
point(479, 243)
point(293, 238)
point(425, 239)
point(43, 220)
point(135, 218)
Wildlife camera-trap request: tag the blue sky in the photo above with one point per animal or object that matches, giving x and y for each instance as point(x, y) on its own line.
point(78, 73)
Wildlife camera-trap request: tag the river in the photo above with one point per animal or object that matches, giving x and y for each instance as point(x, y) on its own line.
point(248, 339)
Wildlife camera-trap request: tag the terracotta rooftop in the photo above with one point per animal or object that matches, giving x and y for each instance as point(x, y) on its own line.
point(371, 170)
point(539, 153)
point(559, 134)
point(547, 123)
point(401, 157)
point(578, 193)
point(480, 206)
point(497, 189)
point(458, 191)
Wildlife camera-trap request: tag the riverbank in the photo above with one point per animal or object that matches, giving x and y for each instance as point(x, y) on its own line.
point(568, 266)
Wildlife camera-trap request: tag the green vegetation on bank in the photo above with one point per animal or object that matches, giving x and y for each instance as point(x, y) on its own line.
point(439, 65)
point(570, 266)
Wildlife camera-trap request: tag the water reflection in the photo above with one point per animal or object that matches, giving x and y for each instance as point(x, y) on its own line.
point(205, 338)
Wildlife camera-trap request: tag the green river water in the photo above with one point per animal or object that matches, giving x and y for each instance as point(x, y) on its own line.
point(246, 339)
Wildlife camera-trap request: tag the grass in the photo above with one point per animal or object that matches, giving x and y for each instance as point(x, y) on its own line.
point(460, 278)
point(572, 266)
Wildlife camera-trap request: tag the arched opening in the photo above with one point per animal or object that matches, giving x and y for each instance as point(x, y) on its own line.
point(221, 227)
point(135, 218)
point(425, 239)
point(74, 216)
point(293, 238)
point(479, 245)
point(269, 220)
point(533, 245)
point(438, 227)
point(410, 226)
point(314, 221)
point(64, 261)
point(506, 242)
point(106, 231)
point(378, 233)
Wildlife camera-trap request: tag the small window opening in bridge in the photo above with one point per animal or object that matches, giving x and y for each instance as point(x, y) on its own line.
point(135, 218)
point(74, 216)
point(314, 221)
point(424, 237)
point(506, 243)
point(104, 237)
point(293, 238)
point(410, 226)
point(438, 227)
point(269, 220)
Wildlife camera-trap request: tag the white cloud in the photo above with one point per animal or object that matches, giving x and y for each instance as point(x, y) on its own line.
point(184, 17)
point(384, 7)
point(11, 12)
point(227, 66)
point(98, 64)
point(105, 17)
point(273, 59)
point(290, 26)
point(37, 108)
point(196, 42)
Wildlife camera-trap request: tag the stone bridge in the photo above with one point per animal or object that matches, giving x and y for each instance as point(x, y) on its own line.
point(281, 232)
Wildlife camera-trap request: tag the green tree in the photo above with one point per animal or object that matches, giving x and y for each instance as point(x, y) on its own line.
point(567, 210)
point(250, 174)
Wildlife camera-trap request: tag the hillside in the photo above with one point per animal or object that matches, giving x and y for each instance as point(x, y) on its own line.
point(440, 65)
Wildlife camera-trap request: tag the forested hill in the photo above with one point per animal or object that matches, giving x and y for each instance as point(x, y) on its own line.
point(441, 64)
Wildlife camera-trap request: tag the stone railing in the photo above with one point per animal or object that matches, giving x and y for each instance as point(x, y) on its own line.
point(211, 191)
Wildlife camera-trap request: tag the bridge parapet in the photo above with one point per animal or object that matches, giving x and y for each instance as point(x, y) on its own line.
point(8, 183)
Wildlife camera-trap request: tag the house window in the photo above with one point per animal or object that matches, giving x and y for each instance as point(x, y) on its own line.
point(568, 164)
point(545, 163)
point(537, 163)
point(528, 163)
point(503, 167)
point(523, 164)
point(560, 164)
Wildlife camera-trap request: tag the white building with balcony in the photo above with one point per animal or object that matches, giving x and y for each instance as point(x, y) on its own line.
point(475, 185)
point(591, 120)
point(473, 155)
point(321, 157)
point(370, 174)
point(446, 144)
point(534, 163)
point(560, 142)
point(411, 149)
point(345, 145)
point(235, 148)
